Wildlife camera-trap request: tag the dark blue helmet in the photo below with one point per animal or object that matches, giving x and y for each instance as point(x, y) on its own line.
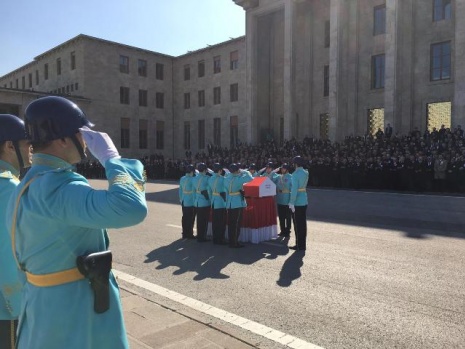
point(270, 164)
point(253, 167)
point(217, 166)
point(298, 160)
point(286, 166)
point(52, 117)
point(233, 168)
point(190, 168)
point(12, 128)
point(201, 167)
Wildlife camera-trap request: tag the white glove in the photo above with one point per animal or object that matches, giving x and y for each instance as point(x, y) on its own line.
point(276, 170)
point(100, 145)
point(226, 170)
point(262, 170)
point(292, 208)
point(210, 171)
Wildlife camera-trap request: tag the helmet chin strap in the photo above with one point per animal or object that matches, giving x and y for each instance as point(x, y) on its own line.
point(79, 147)
point(18, 155)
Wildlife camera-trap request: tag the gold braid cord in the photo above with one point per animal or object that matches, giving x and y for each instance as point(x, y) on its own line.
point(125, 179)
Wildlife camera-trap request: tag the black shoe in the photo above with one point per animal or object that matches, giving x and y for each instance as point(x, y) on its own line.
point(293, 248)
point(190, 237)
point(203, 240)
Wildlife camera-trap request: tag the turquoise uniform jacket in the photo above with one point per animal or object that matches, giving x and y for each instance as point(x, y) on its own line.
point(60, 217)
point(233, 183)
point(283, 189)
point(11, 278)
point(186, 191)
point(216, 185)
point(200, 183)
point(299, 187)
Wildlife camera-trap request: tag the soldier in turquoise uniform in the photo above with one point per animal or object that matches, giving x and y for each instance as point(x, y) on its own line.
point(270, 172)
point(253, 170)
point(186, 198)
point(58, 229)
point(283, 194)
point(15, 154)
point(202, 201)
point(298, 203)
point(218, 204)
point(235, 201)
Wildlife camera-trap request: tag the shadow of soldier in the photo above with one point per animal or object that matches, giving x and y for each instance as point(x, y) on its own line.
point(290, 270)
point(208, 260)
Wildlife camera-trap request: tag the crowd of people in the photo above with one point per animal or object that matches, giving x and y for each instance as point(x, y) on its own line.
point(414, 162)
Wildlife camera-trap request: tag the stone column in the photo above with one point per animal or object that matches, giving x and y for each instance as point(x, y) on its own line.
point(390, 74)
point(288, 68)
point(251, 31)
point(458, 106)
point(335, 58)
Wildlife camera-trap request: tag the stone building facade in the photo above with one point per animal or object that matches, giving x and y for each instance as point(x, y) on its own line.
point(137, 96)
point(336, 68)
point(320, 68)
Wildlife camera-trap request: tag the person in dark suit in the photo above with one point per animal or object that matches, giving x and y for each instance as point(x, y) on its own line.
point(388, 131)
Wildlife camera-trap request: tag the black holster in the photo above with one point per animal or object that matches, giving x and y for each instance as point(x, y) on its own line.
point(96, 267)
point(242, 193)
point(205, 194)
point(223, 195)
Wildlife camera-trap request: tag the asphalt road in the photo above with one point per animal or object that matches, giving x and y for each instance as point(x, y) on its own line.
point(381, 270)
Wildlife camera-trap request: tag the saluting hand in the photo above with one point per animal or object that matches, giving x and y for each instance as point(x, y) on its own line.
point(100, 145)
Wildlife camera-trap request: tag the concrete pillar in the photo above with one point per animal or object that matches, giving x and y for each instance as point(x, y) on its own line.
point(288, 79)
point(458, 105)
point(390, 74)
point(251, 30)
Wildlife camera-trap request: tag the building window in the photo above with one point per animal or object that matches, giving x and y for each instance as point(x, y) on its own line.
point(441, 10)
point(45, 71)
point(216, 95)
point(187, 100)
point(234, 60)
point(187, 72)
point(23, 82)
point(124, 132)
point(327, 33)
point(160, 135)
point(37, 77)
point(124, 64)
point(375, 120)
point(216, 64)
point(159, 71)
point(72, 87)
point(30, 80)
point(377, 71)
point(58, 66)
point(73, 60)
point(11, 84)
point(234, 92)
point(233, 131)
point(201, 126)
point(202, 98)
point(142, 98)
point(142, 67)
point(379, 20)
point(201, 69)
point(217, 131)
point(439, 114)
point(440, 61)
point(16, 83)
point(324, 126)
point(143, 134)
point(123, 95)
point(76, 85)
point(160, 100)
point(187, 135)
point(326, 81)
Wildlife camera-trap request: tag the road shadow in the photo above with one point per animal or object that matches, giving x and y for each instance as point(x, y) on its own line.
point(290, 270)
point(208, 260)
point(170, 196)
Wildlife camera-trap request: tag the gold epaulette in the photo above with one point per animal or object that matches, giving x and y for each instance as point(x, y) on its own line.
point(8, 175)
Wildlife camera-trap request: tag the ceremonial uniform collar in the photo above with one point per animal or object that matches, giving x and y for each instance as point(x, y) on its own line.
point(6, 166)
point(50, 161)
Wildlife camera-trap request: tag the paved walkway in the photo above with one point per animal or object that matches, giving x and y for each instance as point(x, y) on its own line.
point(150, 325)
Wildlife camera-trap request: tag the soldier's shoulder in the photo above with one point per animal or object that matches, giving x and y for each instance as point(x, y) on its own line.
point(6, 175)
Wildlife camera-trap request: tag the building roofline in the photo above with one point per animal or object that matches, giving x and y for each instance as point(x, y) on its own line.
point(43, 93)
point(209, 47)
